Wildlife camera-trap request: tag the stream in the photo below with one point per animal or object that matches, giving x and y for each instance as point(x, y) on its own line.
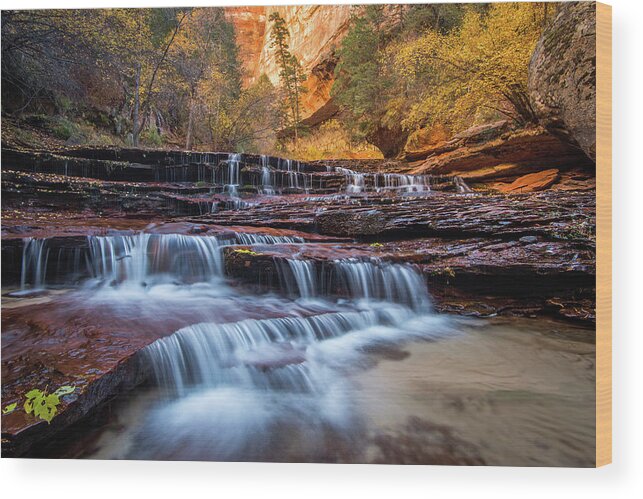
point(313, 348)
point(375, 376)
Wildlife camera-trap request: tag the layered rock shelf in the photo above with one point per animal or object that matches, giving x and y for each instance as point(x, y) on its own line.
point(253, 221)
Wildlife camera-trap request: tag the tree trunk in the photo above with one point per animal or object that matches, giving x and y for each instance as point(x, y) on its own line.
point(189, 134)
point(137, 103)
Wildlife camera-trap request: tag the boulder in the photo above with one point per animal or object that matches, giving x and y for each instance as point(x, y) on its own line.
point(562, 76)
point(342, 223)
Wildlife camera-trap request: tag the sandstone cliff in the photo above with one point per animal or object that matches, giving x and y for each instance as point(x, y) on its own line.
point(315, 32)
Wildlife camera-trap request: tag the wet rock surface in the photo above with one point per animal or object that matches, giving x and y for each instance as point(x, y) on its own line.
point(514, 254)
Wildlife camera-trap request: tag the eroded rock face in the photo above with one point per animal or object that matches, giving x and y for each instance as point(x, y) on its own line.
point(489, 154)
point(315, 32)
point(562, 76)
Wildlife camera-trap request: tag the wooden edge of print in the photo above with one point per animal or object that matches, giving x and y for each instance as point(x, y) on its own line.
point(604, 234)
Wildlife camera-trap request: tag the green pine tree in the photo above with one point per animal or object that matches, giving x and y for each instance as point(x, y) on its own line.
point(291, 73)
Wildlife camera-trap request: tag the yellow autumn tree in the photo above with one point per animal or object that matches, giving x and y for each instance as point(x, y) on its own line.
point(475, 71)
point(204, 61)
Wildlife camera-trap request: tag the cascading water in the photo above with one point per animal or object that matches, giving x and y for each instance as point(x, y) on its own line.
point(266, 176)
point(233, 391)
point(144, 259)
point(305, 278)
point(35, 255)
point(250, 239)
point(356, 182)
point(358, 280)
point(232, 181)
point(252, 353)
point(395, 283)
point(239, 374)
point(404, 183)
point(461, 185)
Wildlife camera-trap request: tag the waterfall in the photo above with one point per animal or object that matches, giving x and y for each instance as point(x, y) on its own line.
point(397, 283)
point(268, 353)
point(304, 274)
point(359, 280)
point(35, 256)
point(233, 181)
point(266, 176)
point(461, 186)
point(147, 258)
point(404, 183)
point(355, 182)
point(250, 239)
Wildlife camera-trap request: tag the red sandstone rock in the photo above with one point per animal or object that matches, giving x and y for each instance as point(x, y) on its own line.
point(532, 182)
point(506, 157)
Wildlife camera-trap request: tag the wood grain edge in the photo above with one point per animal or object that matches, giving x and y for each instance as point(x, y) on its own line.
point(603, 234)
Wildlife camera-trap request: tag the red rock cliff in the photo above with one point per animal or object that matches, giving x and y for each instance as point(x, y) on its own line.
point(315, 32)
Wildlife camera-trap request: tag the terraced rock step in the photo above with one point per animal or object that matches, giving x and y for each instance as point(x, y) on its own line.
point(65, 257)
point(471, 276)
point(105, 251)
point(554, 215)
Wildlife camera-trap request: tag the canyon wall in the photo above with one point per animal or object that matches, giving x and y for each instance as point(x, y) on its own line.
point(315, 32)
point(562, 76)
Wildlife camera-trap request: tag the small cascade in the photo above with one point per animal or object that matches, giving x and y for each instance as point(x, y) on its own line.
point(461, 186)
point(144, 259)
point(363, 182)
point(403, 183)
point(35, 255)
point(358, 280)
point(266, 176)
point(250, 239)
point(232, 181)
point(300, 278)
point(355, 182)
point(396, 283)
point(254, 354)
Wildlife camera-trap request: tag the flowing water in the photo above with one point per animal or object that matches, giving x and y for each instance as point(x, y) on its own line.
point(370, 374)
point(346, 362)
point(376, 385)
point(35, 256)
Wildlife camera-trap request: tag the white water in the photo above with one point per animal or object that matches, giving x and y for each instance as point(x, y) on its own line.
point(305, 278)
point(232, 185)
point(395, 283)
point(356, 182)
point(234, 390)
point(35, 255)
point(251, 238)
point(404, 183)
point(266, 176)
point(145, 259)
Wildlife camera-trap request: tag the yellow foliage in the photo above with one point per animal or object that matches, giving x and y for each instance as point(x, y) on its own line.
point(330, 141)
point(473, 72)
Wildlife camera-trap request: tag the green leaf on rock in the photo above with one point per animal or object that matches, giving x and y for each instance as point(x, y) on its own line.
point(34, 393)
point(42, 405)
point(33, 399)
point(45, 407)
point(10, 408)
